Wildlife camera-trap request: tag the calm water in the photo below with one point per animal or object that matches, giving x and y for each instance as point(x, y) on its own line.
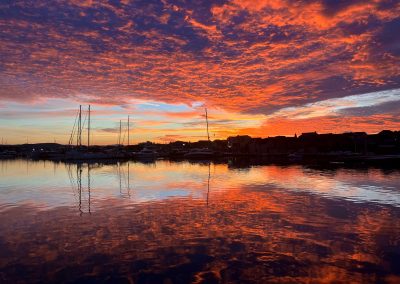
point(168, 222)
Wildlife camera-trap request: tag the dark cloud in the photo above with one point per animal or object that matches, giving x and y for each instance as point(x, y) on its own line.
point(332, 7)
point(387, 39)
point(392, 107)
point(361, 26)
point(110, 130)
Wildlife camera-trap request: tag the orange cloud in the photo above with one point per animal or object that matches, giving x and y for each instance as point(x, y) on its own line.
point(242, 56)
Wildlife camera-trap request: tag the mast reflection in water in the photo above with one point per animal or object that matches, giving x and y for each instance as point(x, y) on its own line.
point(167, 222)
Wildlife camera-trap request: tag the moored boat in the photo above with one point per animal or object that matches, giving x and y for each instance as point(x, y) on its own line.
point(8, 154)
point(146, 153)
point(199, 153)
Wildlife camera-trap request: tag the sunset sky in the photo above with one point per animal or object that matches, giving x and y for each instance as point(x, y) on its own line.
point(261, 68)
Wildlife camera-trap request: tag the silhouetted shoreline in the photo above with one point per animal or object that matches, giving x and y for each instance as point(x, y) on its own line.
point(353, 147)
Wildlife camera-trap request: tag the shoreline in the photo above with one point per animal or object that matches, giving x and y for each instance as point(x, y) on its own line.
point(245, 160)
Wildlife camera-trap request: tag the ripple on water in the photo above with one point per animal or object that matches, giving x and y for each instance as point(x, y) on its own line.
point(180, 223)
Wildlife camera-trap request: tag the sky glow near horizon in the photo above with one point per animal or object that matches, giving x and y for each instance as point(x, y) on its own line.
point(262, 68)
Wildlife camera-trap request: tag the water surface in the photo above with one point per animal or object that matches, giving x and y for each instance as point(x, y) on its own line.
point(181, 222)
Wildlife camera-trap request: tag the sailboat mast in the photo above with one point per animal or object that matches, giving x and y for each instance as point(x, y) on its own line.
point(88, 129)
point(120, 129)
point(79, 132)
point(128, 130)
point(208, 134)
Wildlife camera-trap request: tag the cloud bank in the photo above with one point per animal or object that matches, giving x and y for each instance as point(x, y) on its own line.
point(242, 56)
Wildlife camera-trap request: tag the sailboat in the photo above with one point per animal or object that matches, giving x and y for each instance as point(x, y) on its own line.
point(200, 153)
point(79, 153)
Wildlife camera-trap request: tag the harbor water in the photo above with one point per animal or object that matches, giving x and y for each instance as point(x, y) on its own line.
point(197, 222)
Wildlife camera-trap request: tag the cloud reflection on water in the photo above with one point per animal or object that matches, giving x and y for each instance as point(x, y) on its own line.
point(248, 227)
